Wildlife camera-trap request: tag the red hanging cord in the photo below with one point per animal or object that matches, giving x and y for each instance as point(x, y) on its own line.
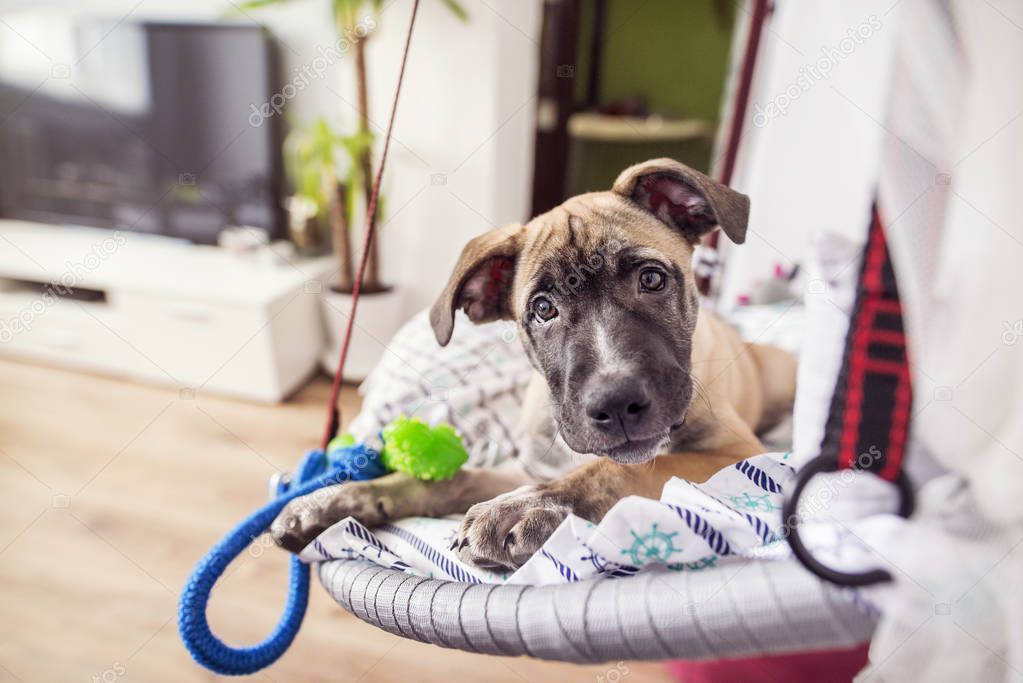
point(334, 414)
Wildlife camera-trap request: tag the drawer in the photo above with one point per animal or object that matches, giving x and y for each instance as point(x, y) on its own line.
point(246, 351)
point(63, 331)
point(195, 342)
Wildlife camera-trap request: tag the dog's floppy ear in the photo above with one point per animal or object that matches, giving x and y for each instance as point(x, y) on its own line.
point(685, 199)
point(481, 282)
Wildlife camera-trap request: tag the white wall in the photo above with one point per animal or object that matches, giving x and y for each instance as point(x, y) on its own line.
point(461, 161)
point(466, 120)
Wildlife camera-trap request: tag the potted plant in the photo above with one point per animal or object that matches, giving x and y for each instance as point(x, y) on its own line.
point(317, 209)
point(333, 173)
point(325, 170)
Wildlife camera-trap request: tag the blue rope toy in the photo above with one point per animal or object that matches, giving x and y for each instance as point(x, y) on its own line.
point(355, 462)
point(409, 445)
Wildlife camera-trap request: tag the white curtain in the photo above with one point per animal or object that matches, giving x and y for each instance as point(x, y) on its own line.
point(950, 183)
point(924, 111)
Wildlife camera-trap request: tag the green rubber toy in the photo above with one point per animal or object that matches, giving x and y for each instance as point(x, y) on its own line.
point(419, 450)
point(341, 441)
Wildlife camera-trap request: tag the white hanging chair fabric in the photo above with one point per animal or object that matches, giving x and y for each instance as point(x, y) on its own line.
point(924, 115)
point(951, 174)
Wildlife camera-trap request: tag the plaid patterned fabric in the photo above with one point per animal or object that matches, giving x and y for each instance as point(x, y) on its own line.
point(476, 383)
point(870, 410)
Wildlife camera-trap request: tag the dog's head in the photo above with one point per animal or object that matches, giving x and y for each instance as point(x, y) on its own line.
point(603, 294)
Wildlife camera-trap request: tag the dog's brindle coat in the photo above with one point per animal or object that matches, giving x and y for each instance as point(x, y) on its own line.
point(629, 368)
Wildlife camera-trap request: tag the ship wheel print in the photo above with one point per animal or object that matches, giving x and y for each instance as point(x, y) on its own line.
point(655, 546)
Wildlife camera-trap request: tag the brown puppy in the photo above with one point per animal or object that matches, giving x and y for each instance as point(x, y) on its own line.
point(634, 383)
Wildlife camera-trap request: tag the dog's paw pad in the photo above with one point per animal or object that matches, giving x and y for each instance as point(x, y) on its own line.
point(305, 518)
point(505, 532)
point(296, 526)
point(535, 527)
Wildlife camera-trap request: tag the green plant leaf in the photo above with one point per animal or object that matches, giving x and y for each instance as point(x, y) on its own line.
point(311, 155)
point(247, 5)
point(457, 9)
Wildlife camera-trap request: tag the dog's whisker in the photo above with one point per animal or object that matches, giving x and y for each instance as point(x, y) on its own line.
point(700, 392)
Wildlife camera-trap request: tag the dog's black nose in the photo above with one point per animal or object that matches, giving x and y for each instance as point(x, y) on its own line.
point(613, 404)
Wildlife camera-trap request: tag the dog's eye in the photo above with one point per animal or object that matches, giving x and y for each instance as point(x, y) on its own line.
point(651, 280)
point(543, 308)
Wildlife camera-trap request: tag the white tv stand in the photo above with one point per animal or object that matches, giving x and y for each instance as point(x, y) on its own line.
point(161, 310)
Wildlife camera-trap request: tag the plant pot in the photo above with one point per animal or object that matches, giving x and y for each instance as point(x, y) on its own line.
point(379, 316)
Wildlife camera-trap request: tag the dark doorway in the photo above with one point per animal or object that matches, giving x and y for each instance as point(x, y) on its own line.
point(622, 81)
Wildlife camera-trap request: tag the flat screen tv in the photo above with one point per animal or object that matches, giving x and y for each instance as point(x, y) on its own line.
point(146, 127)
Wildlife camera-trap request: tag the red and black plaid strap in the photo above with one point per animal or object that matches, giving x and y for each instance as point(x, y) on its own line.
point(870, 408)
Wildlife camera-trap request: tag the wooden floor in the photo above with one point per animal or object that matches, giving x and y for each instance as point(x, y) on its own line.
point(109, 493)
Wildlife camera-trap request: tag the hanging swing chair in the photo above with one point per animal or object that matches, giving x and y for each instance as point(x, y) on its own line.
point(788, 603)
point(766, 607)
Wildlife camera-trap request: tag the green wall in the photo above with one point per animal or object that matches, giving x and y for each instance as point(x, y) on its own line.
point(673, 51)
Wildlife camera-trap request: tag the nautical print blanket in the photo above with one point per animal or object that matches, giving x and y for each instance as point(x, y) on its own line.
point(476, 383)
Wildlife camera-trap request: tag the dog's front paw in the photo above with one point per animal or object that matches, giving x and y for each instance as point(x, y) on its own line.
point(305, 518)
point(505, 532)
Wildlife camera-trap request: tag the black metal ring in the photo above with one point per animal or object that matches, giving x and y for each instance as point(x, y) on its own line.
point(820, 465)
